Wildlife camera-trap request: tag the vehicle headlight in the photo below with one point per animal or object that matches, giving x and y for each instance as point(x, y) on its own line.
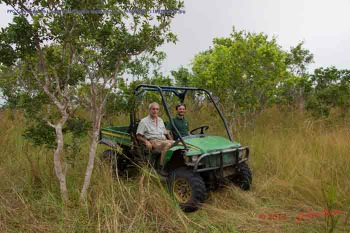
point(194, 158)
point(240, 155)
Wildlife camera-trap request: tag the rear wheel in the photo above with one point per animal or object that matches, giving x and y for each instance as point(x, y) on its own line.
point(116, 160)
point(243, 176)
point(187, 188)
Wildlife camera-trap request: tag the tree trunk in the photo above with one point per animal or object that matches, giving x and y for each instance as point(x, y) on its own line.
point(58, 163)
point(92, 154)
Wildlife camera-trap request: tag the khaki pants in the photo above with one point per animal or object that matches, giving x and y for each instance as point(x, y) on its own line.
point(163, 146)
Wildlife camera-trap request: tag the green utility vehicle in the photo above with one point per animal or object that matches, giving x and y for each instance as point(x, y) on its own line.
point(194, 163)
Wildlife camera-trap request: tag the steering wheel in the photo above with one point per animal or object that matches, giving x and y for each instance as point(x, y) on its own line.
point(202, 128)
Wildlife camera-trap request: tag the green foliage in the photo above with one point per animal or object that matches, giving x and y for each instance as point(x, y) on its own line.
point(77, 126)
point(141, 67)
point(59, 51)
point(298, 59)
point(293, 90)
point(242, 70)
point(117, 103)
point(159, 79)
point(21, 34)
point(249, 72)
point(331, 90)
point(7, 55)
point(182, 77)
point(40, 134)
point(296, 87)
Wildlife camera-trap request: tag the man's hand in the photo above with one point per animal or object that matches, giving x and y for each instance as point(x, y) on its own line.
point(144, 140)
point(168, 135)
point(148, 145)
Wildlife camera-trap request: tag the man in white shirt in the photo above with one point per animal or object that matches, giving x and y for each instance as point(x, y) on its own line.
point(151, 131)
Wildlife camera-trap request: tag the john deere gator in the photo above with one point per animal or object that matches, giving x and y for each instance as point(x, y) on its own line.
point(194, 163)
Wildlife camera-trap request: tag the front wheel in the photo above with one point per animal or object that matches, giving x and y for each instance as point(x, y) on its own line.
point(243, 176)
point(187, 187)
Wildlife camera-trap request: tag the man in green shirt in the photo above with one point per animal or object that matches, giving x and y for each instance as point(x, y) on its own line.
point(180, 122)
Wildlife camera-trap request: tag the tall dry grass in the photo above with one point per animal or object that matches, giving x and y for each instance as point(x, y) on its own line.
point(299, 165)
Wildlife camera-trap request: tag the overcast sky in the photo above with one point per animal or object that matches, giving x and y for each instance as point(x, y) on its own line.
point(323, 25)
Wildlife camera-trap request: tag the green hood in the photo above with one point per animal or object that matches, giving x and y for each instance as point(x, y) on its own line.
point(207, 144)
point(201, 145)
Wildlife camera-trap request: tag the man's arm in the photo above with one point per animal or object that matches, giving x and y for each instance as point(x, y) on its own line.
point(188, 128)
point(168, 135)
point(166, 129)
point(141, 130)
point(169, 128)
point(144, 140)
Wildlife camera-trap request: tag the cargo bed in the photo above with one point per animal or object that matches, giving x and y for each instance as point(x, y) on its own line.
point(115, 135)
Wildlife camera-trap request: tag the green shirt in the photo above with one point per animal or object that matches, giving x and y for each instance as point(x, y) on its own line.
point(182, 126)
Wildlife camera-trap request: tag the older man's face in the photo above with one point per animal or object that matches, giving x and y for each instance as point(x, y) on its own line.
point(154, 110)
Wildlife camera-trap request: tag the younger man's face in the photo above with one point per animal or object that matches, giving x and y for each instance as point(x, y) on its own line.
point(181, 110)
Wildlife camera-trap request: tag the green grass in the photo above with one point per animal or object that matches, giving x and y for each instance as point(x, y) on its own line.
point(299, 165)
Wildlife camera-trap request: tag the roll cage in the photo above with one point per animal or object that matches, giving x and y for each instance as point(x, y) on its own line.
point(180, 92)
